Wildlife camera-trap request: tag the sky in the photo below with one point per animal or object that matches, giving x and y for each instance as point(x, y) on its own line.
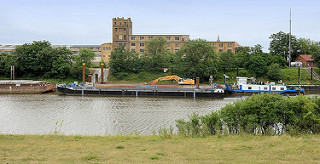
point(248, 22)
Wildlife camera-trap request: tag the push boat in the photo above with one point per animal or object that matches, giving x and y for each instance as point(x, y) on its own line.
point(245, 87)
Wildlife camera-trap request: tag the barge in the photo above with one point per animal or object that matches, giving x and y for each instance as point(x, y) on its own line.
point(141, 90)
point(25, 86)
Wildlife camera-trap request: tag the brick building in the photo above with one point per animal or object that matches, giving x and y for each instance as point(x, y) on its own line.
point(122, 36)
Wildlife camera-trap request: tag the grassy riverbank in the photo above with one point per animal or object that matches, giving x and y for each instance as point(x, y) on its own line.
point(159, 149)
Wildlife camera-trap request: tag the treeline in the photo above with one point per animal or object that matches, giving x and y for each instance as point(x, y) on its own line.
point(40, 60)
point(197, 58)
point(265, 113)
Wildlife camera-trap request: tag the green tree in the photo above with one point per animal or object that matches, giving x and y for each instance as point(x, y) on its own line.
point(40, 59)
point(123, 62)
point(307, 46)
point(227, 60)
point(274, 72)
point(84, 56)
point(156, 56)
point(61, 64)
point(198, 59)
point(6, 61)
point(33, 58)
point(279, 44)
point(316, 57)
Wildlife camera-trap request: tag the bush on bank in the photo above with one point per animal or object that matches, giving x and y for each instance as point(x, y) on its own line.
point(265, 113)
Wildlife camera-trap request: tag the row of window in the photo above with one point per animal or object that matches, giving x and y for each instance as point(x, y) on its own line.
point(142, 44)
point(266, 88)
point(120, 37)
point(151, 37)
point(120, 23)
point(120, 30)
point(168, 50)
point(106, 48)
point(229, 50)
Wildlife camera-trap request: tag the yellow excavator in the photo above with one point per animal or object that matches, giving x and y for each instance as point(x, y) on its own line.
point(180, 80)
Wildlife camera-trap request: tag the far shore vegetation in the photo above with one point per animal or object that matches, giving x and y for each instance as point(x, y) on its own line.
point(197, 58)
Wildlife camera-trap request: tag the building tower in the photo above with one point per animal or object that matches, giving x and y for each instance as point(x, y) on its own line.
point(122, 29)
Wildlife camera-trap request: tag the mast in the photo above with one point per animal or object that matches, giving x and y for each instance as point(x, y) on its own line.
point(289, 56)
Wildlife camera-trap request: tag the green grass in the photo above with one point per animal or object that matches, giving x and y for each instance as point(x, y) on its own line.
point(144, 149)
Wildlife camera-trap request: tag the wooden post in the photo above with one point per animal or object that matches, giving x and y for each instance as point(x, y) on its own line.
point(90, 78)
point(197, 82)
point(83, 72)
point(299, 75)
point(311, 75)
point(12, 72)
point(102, 77)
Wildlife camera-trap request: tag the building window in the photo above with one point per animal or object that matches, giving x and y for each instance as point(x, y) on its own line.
point(124, 44)
point(124, 30)
point(120, 37)
point(120, 23)
point(120, 44)
point(183, 39)
point(116, 37)
point(229, 50)
point(115, 23)
point(104, 48)
point(168, 38)
point(229, 44)
point(116, 29)
point(168, 50)
point(150, 37)
point(176, 50)
point(104, 55)
point(177, 44)
point(220, 50)
point(141, 44)
point(125, 23)
point(220, 44)
point(176, 38)
point(124, 37)
point(168, 44)
point(141, 37)
point(133, 44)
point(141, 50)
point(133, 38)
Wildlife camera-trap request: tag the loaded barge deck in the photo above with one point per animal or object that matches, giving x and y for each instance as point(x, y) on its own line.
point(142, 90)
point(25, 86)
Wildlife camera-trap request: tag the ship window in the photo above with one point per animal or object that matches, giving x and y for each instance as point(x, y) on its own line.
point(249, 88)
point(282, 88)
point(265, 88)
point(273, 88)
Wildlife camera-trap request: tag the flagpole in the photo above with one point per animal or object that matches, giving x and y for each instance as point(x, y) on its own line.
point(289, 56)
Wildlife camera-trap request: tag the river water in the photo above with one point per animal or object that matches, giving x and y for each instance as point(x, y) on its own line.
point(86, 115)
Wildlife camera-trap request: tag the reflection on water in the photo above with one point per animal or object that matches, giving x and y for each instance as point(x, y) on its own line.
point(84, 115)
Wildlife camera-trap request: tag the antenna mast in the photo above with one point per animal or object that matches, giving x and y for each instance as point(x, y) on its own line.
point(289, 56)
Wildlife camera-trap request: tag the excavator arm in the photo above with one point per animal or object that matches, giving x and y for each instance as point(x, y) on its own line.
point(173, 77)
